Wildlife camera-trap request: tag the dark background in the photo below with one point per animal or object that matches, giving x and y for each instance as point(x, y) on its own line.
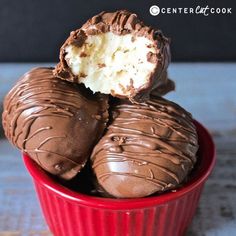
point(33, 30)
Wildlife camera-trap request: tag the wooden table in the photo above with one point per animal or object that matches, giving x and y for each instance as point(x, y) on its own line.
point(208, 91)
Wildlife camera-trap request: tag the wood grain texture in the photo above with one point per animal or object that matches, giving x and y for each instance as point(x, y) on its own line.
point(19, 210)
point(207, 91)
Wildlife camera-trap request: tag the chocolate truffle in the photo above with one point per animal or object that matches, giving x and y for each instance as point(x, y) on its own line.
point(55, 122)
point(115, 53)
point(148, 148)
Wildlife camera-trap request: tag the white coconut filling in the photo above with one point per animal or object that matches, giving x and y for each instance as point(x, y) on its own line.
point(110, 63)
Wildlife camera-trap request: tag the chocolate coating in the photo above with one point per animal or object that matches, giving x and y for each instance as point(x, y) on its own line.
point(56, 122)
point(167, 86)
point(149, 147)
point(121, 23)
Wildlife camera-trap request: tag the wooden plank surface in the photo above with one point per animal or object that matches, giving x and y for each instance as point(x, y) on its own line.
point(207, 90)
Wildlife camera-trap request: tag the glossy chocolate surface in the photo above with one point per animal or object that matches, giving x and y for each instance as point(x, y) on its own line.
point(54, 121)
point(148, 147)
point(121, 23)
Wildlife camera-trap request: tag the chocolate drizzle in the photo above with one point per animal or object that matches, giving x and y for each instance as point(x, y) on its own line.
point(121, 23)
point(149, 147)
point(150, 143)
point(55, 122)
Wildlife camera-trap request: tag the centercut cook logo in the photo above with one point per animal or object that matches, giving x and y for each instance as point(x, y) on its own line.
point(198, 10)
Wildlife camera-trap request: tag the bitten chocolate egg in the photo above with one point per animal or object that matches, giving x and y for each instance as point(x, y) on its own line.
point(55, 122)
point(116, 53)
point(149, 147)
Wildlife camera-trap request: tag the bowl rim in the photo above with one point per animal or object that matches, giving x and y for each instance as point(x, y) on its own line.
point(205, 141)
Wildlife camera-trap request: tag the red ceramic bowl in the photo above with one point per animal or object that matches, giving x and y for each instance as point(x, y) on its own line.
point(70, 213)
